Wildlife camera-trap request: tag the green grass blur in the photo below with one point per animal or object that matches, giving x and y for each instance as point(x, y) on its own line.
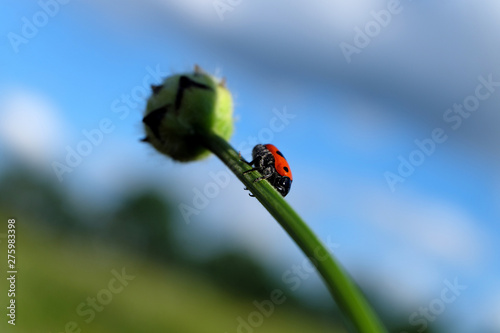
point(67, 253)
point(56, 275)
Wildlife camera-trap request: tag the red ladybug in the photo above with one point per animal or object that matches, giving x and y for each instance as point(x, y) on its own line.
point(271, 163)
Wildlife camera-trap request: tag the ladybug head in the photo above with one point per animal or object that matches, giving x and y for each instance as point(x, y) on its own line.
point(283, 184)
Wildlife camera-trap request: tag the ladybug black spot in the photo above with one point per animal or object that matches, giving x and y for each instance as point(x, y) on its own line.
point(285, 168)
point(279, 153)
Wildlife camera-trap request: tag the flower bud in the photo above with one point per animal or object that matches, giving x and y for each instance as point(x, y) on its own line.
point(183, 110)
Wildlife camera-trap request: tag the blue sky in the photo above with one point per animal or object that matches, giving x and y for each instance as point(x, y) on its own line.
point(349, 122)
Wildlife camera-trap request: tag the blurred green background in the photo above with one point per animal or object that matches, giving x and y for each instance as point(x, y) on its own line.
point(121, 269)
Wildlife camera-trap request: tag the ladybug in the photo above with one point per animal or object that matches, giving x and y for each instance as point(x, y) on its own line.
point(271, 163)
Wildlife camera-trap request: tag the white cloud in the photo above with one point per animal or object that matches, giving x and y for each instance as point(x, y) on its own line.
point(433, 226)
point(329, 13)
point(30, 126)
point(199, 11)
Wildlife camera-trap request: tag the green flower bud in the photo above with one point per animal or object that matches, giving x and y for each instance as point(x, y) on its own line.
point(184, 109)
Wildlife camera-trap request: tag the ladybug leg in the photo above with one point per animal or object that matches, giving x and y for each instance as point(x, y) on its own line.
point(252, 162)
point(248, 171)
point(243, 160)
point(262, 178)
point(245, 172)
point(250, 194)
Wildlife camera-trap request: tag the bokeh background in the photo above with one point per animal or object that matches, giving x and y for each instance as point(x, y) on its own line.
point(70, 70)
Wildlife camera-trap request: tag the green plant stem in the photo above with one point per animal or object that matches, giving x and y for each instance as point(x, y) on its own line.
point(346, 294)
